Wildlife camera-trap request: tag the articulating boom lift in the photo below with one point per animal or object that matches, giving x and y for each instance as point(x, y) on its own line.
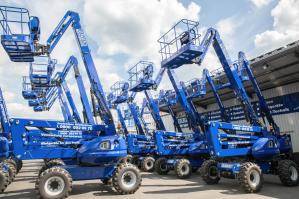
point(95, 150)
point(171, 146)
point(237, 151)
point(140, 146)
point(182, 152)
point(140, 78)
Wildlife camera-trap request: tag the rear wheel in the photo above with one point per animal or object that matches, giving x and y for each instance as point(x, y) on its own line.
point(126, 179)
point(147, 164)
point(288, 172)
point(250, 177)
point(209, 172)
point(161, 166)
point(54, 183)
point(183, 168)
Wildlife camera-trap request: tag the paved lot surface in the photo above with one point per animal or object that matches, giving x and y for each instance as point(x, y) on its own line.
point(153, 187)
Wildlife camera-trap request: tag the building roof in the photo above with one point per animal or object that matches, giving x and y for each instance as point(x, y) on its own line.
point(276, 68)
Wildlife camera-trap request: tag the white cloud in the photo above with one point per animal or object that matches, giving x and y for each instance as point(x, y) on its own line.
point(260, 3)
point(133, 27)
point(9, 96)
point(227, 29)
point(130, 28)
point(285, 26)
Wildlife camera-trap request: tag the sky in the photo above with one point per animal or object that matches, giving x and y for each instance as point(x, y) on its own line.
point(122, 32)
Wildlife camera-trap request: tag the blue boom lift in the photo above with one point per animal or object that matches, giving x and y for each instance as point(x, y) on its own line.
point(58, 89)
point(172, 147)
point(141, 80)
point(140, 145)
point(95, 149)
point(243, 152)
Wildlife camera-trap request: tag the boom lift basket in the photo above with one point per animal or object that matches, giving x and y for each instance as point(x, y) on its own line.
point(119, 92)
point(41, 71)
point(140, 76)
point(195, 88)
point(16, 38)
point(31, 92)
point(180, 45)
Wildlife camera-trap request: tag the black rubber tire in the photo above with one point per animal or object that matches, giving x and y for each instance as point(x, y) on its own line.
point(148, 164)
point(183, 169)
point(19, 164)
point(47, 160)
point(50, 164)
point(119, 172)
point(127, 159)
point(209, 172)
point(245, 174)
point(12, 170)
point(4, 180)
point(161, 166)
point(52, 172)
point(15, 163)
point(135, 161)
point(284, 172)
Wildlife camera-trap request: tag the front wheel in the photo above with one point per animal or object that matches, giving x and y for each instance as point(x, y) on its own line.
point(53, 183)
point(250, 177)
point(183, 168)
point(126, 179)
point(288, 173)
point(209, 172)
point(161, 166)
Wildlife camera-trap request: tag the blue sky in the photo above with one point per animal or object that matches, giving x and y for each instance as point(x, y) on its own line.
point(122, 32)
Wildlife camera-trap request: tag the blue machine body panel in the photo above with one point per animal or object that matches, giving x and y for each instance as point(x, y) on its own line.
point(141, 144)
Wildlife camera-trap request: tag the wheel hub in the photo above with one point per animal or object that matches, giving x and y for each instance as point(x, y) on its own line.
point(213, 172)
point(54, 186)
point(129, 179)
point(185, 169)
point(149, 164)
point(254, 178)
point(293, 173)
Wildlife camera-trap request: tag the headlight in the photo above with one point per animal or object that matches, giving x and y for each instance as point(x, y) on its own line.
point(105, 145)
point(272, 144)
